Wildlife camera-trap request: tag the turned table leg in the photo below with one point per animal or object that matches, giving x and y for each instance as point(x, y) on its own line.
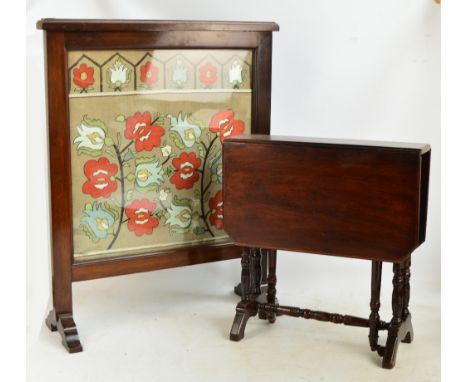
point(271, 279)
point(406, 296)
point(400, 328)
point(374, 318)
point(250, 287)
point(264, 266)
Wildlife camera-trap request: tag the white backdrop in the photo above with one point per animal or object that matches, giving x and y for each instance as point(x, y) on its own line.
point(361, 69)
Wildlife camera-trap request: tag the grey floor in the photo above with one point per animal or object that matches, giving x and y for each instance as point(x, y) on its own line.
point(173, 325)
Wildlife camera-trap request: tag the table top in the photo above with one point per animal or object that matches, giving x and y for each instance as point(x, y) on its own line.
point(348, 143)
point(109, 25)
point(345, 198)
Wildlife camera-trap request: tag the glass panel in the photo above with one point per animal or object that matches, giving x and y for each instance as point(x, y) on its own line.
point(146, 134)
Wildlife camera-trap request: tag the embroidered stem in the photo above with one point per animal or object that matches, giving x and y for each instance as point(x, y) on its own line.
point(122, 194)
point(166, 160)
point(125, 148)
point(207, 186)
point(203, 189)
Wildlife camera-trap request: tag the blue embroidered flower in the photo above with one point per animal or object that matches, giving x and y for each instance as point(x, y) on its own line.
point(98, 220)
point(179, 215)
point(188, 132)
point(148, 174)
point(217, 170)
point(179, 75)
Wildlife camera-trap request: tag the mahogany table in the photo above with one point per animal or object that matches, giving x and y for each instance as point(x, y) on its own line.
point(365, 200)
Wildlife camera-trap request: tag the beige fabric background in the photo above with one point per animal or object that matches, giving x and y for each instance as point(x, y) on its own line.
point(200, 106)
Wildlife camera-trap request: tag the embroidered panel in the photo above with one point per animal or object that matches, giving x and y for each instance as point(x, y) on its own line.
point(109, 71)
point(146, 134)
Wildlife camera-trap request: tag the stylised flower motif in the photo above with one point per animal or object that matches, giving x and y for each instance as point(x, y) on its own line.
point(98, 220)
point(140, 220)
point(92, 133)
point(179, 215)
point(163, 194)
point(100, 174)
point(179, 75)
point(166, 150)
point(148, 73)
point(235, 73)
point(186, 174)
point(83, 76)
point(208, 74)
point(145, 134)
point(216, 167)
point(187, 131)
point(224, 123)
point(148, 174)
point(119, 75)
point(216, 206)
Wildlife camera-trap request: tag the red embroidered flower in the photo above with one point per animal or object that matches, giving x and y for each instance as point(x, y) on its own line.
point(100, 182)
point(225, 124)
point(83, 76)
point(148, 73)
point(145, 134)
point(216, 205)
point(208, 74)
point(186, 174)
point(140, 220)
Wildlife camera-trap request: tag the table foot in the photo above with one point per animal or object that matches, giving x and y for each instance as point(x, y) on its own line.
point(396, 334)
point(244, 310)
point(65, 325)
point(401, 328)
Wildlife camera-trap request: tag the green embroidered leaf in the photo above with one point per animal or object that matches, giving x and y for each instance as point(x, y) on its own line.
point(120, 118)
point(89, 152)
point(129, 195)
point(111, 210)
point(94, 122)
point(159, 213)
point(177, 141)
point(201, 152)
point(182, 201)
point(115, 202)
point(145, 160)
point(108, 141)
point(110, 153)
point(89, 232)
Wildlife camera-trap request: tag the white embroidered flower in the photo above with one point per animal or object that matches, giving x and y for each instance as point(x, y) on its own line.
point(163, 194)
point(235, 73)
point(119, 74)
point(166, 150)
point(179, 75)
point(92, 134)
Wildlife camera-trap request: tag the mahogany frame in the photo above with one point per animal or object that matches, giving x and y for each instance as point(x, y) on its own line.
point(62, 36)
